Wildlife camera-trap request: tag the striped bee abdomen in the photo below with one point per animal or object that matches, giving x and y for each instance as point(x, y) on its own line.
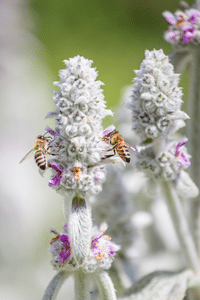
point(40, 159)
point(123, 152)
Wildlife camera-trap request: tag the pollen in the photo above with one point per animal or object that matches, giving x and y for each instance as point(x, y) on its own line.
point(99, 256)
point(77, 172)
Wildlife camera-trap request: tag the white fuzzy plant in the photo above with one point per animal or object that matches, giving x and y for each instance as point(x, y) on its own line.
point(78, 165)
point(78, 172)
point(156, 109)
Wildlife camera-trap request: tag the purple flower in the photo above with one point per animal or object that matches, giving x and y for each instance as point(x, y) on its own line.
point(56, 167)
point(66, 250)
point(108, 130)
point(169, 17)
point(194, 16)
point(112, 250)
point(97, 251)
point(51, 131)
point(56, 179)
point(180, 155)
point(189, 33)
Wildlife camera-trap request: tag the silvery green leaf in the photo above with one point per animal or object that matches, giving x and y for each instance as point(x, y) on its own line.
point(185, 186)
point(51, 114)
point(160, 285)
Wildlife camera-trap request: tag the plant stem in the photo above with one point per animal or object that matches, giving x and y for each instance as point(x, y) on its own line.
point(81, 286)
point(181, 225)
point(193, 132)
point(105, 286)
point(198, 4)
point(55, 285)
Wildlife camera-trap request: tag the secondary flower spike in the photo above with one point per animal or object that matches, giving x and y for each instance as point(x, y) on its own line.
point(77, 137)
point(156, 97)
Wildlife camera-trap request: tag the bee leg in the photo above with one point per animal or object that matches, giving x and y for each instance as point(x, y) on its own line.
point(107, 156)
point(52, 147)
point(111, 149)
point(51, 153)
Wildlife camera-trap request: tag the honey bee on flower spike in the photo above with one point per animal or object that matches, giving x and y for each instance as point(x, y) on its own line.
point(112, 137)
point(41, 148)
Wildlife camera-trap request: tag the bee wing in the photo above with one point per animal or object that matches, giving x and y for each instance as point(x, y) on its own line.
point(133, 148)
point(27, 155)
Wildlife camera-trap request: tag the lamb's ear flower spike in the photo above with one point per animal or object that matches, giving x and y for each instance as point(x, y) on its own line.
point(156, 104)
point(78, 171)
point(156, 97)
point(77, 137)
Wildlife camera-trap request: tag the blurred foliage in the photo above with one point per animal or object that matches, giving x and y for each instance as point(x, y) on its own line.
point(114, 34)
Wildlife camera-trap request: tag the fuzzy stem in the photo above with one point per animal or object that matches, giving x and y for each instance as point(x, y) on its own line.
point(105, 286)
point(193, 128)
point(55, 285)
point(181, 226)
point(179, 59)
point(193, 132)
point(198, 4)
point(81, 286)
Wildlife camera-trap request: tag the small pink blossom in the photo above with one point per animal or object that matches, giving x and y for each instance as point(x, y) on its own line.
point(51, 131)
point(180, 155)
point(169, 17)
point(188, 33)
point(194, 16)
point(108, 130)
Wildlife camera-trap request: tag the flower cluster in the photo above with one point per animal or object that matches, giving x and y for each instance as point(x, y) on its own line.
point(101, 252)
point(167, 164)
point(77, 138)
point(184, 26)
point(156, 97)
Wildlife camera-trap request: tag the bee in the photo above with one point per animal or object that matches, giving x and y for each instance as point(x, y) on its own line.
point(40, 147)
point(116, 140)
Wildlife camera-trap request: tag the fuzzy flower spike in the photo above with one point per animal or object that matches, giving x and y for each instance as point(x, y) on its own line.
point(77, 138)
point(156, 97)
point(156, 103)
point(184, 26)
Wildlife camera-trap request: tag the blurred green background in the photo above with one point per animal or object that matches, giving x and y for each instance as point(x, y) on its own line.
point(114, 34)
